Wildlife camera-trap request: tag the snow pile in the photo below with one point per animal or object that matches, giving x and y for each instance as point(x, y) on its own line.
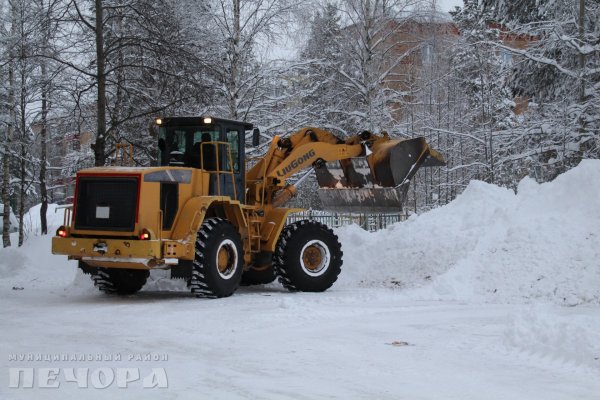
point(491, 244)
point(33, 264)
point(54, 219)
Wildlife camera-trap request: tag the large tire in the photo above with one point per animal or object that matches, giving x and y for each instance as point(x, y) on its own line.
point(308, 257)
point(218, 265)
point(86, 269)
point(258, 277)
point(119, 280)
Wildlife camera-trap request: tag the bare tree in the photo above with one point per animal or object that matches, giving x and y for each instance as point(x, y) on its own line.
point(138, 60)
point(240, 77)
point(45, 10)
point(372, 53)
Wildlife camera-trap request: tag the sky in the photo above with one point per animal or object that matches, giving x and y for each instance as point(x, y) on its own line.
point(447, 5)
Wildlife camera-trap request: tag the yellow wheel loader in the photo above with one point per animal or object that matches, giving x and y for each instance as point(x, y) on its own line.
point(217, 221)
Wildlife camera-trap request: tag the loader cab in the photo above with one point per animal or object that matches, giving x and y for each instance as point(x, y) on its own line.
point(212, 144)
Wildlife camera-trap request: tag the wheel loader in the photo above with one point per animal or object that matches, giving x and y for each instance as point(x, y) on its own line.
point(217, 219)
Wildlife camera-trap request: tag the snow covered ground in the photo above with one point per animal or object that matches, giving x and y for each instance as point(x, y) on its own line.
point(494, 296)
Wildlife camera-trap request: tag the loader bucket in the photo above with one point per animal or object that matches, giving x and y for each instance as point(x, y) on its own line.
point(380, 184)
point(350, 188)
point(363, 200)
point(396, 161)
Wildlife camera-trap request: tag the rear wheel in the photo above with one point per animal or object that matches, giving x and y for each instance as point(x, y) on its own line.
point(308, 257)
point(117, 280)
point(217, 267)
point(86, 269)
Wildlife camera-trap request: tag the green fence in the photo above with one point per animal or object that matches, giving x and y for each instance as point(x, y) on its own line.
point(369, 222)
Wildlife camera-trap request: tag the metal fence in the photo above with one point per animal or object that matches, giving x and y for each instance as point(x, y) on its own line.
point(369, 222)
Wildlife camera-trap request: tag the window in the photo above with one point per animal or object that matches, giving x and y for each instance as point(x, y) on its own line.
point(171, 144)
point(178, 141)
point(506, 56)
point(204, 153)
point(233, 138)
point(427, 53)
point(169, 203)
point(214, 135)
point(176, 144)
point(76, 145)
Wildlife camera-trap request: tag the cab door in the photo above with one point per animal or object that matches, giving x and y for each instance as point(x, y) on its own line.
point(234, 135)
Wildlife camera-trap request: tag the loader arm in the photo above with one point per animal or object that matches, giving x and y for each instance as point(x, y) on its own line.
point(288, 156)
point(392, 163)
point(284, 150)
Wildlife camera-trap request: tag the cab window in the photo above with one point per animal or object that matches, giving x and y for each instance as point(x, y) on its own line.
point(205, 155)
point(172, 145)
point(233, 138)
point(214, 135)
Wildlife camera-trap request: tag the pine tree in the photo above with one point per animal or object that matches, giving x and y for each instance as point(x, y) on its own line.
point(560, 74)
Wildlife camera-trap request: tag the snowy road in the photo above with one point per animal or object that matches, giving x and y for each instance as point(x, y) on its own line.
point(266, 343)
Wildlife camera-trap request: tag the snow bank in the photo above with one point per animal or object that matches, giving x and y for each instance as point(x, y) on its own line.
point(33, 265)
point(491, 244)
point(54, 218)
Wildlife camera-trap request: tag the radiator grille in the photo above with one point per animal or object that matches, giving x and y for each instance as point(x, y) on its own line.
point(106, 203)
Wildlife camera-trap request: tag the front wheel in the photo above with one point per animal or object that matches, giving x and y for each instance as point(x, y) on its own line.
point(217, 267)
point(308, 257)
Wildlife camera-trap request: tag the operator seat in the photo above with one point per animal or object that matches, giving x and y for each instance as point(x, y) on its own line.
point(208, 154)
